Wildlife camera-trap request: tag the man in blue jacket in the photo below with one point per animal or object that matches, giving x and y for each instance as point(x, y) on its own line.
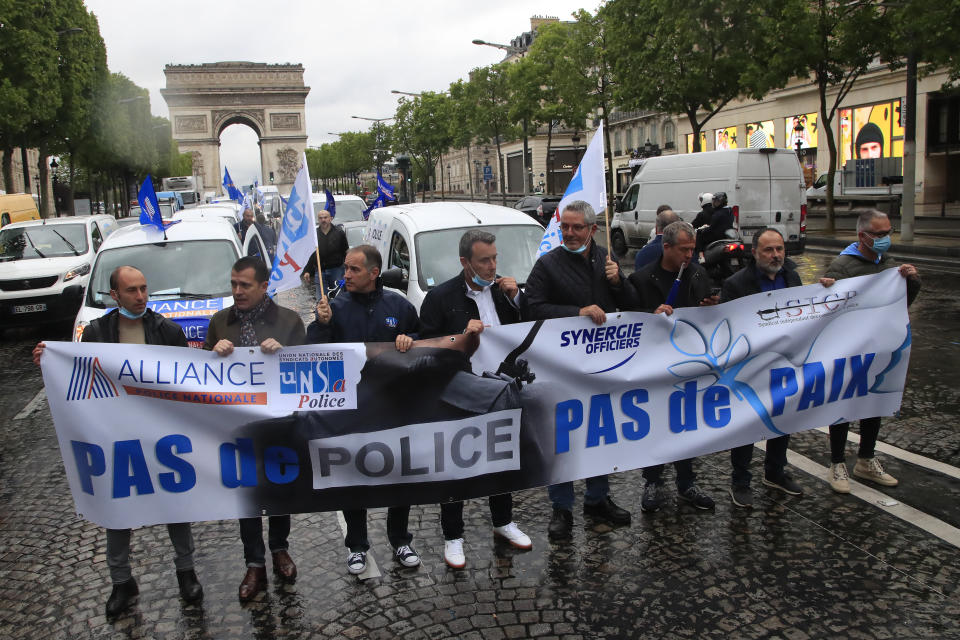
point(652, 251)
point(364, 312)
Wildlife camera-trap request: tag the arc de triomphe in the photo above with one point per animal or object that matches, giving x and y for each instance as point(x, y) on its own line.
point(204, 99)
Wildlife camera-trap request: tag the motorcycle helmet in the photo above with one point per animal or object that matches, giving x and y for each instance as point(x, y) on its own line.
point(705, 197)
point(720, 199)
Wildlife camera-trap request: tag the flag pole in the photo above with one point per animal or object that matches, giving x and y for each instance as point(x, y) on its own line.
point(606, 225)
point(319, 271)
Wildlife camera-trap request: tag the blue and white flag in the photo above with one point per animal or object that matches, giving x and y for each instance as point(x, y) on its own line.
point(588, 183)
point(331, 205)
point(232, 191)
point(297, 239)
point(376, 204)
point(149, 207)
point(246, 204)
point(385, 188)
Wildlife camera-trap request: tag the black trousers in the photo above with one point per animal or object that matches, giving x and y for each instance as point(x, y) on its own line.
point(451, 515)
point(869, 430)
point(251, 533)
point(397, 533)
point(774, 460)
point(684, 469)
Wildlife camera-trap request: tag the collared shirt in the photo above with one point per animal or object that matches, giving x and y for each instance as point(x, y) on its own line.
point(484, 300)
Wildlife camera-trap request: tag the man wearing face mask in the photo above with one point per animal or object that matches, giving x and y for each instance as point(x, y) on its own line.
point(866, 256)
point(133, 323)
point(467, 303)
point(578, 278)
point(771, 270)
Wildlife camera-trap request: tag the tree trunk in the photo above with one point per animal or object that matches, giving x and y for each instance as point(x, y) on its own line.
point(27, 187)
point(470, 170)
point(608, 153)
point(527, 171)
point(503, 184)
point(8, 169)
point(46, 210)
point(826, 126)
point(107, 196)
point(442, 194)
point(549, 187)
point(73, 158)
point(695, 125)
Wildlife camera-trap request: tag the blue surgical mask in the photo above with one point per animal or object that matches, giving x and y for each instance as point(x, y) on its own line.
point(480, 282)
point(881, 245)
point(130, 315)
point(582, 248)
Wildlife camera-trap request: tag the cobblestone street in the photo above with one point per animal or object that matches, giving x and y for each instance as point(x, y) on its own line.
point(820, 565)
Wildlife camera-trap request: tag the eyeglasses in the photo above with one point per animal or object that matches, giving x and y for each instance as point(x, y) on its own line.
point(572, 227)
point(878, 234)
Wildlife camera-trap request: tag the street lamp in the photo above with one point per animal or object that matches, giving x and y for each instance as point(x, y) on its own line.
point(510, 49)
point(372, 119)
point(53, 169)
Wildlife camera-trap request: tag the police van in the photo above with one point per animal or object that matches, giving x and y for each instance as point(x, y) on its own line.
point(764, 187)
point(187, 269)
point(419, 243)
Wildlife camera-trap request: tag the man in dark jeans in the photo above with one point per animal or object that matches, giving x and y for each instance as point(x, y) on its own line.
point(133, 323)
point(770, 270)
point(256, 320)
point(332, 248)
point(578, 278)
point(367, 313)
point(473, 299)
point(653, 285)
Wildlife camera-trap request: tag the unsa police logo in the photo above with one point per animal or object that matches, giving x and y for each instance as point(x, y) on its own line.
point(391, 321)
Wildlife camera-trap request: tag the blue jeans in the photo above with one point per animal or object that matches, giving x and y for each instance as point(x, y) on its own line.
point(685, 475)
point(561, 495)
point(330, 278)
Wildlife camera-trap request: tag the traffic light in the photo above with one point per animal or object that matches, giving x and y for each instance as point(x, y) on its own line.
point(271, 177)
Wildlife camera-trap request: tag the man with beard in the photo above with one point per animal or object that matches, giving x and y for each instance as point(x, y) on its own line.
point(256, 320)
point(770, 270)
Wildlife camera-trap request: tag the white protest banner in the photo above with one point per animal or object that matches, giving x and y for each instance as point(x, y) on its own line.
point(159, 434)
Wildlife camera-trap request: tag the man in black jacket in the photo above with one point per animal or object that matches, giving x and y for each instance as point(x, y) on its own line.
point(770, 271)
point(473, 299)
point(578, 278)
point(332, 248)
point(133, 323)
point(654, 286)
point(367, 313)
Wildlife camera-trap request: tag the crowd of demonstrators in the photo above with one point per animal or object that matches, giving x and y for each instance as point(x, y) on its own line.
point(256, 320)
point(332, 249)
point(578, 278)
point(266, 233)
point(365, 312)
point(652, 251)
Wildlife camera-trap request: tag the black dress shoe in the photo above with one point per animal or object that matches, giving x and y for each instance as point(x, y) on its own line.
point(561, 525)
point(254, 581)
point(122, 596)
point(607, 511)
point(190, 589)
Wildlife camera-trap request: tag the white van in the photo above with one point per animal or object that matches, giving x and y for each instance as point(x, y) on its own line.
point(764, 187)
point(39, 259)
point(420, 242)
point(187, 269)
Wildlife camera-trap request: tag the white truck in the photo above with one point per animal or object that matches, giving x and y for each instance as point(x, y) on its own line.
point(190, 188)
point(863, 183)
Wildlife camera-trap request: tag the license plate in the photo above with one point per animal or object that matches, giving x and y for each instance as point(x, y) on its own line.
point(30, 308)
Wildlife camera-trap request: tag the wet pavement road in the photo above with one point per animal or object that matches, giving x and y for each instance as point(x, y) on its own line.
point(821, 565)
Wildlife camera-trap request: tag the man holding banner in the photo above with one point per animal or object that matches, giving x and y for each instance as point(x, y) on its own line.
point(133, 323)
point(578, 278)
point(673, 281)
point(256, 320)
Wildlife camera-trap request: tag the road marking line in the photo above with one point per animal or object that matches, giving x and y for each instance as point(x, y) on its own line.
point(32, 405)
point(906, 456)
point(372, 570)
point(930, 524)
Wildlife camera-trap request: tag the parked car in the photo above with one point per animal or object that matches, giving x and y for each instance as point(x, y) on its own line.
point(187, 270)
point(764, 188)
point(538, 207)
point(419, 242)
point(40, 259)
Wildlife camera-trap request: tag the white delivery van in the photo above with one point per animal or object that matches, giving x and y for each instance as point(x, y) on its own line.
point(764, 188)
point(187, 269)
point(420, 243)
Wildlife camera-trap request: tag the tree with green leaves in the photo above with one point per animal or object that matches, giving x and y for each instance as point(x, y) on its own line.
point(422, 130)
point(460, 122)
point(527, 94)
point(695, 56)
point(489, 90)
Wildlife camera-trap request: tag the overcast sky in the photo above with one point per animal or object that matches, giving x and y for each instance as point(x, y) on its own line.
point(353, 52)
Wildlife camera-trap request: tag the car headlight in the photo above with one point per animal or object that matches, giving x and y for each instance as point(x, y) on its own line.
point(78, 330)
point(76, 272)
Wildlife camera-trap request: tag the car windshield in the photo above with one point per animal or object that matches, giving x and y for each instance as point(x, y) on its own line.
point(196, 268)
point(166, 210)
point(438, 257)
point(347, 210)
point(43, 241)
point(355, 235)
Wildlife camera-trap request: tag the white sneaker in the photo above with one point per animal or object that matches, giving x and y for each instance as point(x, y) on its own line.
point(511, 532)
point(453, 553)
point(406, 556)
point(871, 469)
point(839, 480)
point(357, 562)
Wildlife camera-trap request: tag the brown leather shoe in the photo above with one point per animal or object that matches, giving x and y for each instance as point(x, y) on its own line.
point(283, 566)
point(253, 583)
